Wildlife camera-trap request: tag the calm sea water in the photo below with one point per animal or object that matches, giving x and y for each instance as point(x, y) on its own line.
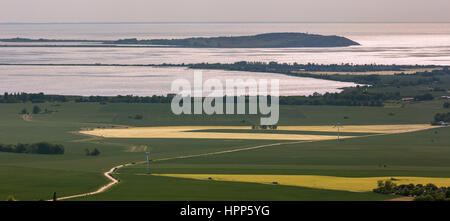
point(380, 43)
point(142, 81)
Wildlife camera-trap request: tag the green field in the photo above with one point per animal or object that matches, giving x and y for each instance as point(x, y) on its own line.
point(165, 188)
point(34, 177)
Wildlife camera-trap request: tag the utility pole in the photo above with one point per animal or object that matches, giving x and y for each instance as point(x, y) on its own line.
point(338, 125)
point(147, 153)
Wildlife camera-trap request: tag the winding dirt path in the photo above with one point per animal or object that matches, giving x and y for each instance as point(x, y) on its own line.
point(114, 181)
point(101, 189)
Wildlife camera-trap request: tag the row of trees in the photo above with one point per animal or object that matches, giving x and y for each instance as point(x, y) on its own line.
point(356, 97)
point(127, 99)
point(41, 98)
point(350, 98)
point(359, 96)
point(34, 98)
point(36, 148)
point(429, 192)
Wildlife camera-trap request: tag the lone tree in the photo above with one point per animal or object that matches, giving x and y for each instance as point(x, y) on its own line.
point(36, 109)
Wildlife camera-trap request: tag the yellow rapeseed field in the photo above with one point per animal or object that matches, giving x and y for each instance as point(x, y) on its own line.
point(383, 129)
point(187, 132)
point(358, 184)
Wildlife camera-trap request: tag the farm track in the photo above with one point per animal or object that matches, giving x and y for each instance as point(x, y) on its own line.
point(114, 181)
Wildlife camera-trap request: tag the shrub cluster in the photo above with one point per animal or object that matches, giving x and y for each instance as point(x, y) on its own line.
point(420, 192)
point(445, 117)
point(94, 152)
point(424, 97)
point(36, 148)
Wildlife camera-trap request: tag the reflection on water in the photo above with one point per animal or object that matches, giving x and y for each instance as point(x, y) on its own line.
point(380, 43)
point(142, 81)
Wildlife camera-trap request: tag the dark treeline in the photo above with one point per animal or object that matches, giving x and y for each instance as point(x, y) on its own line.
point(127, 99)
point(34, 98)
point(41, 98)
point(428, 78)
point(429, 192)
point(36, 148)
point(351, 98)
point(357, 97)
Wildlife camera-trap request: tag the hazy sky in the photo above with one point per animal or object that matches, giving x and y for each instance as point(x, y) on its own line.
point(224, 10)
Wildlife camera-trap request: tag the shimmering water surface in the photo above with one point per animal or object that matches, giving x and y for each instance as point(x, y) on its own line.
point(380, 43)
point(141, 81)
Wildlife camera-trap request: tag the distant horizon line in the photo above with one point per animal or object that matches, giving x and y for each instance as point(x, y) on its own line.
point(230, 22)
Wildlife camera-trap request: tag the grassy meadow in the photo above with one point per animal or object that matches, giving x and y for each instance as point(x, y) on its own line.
point(35, 177)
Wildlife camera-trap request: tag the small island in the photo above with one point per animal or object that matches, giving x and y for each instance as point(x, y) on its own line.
point(269, 40)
